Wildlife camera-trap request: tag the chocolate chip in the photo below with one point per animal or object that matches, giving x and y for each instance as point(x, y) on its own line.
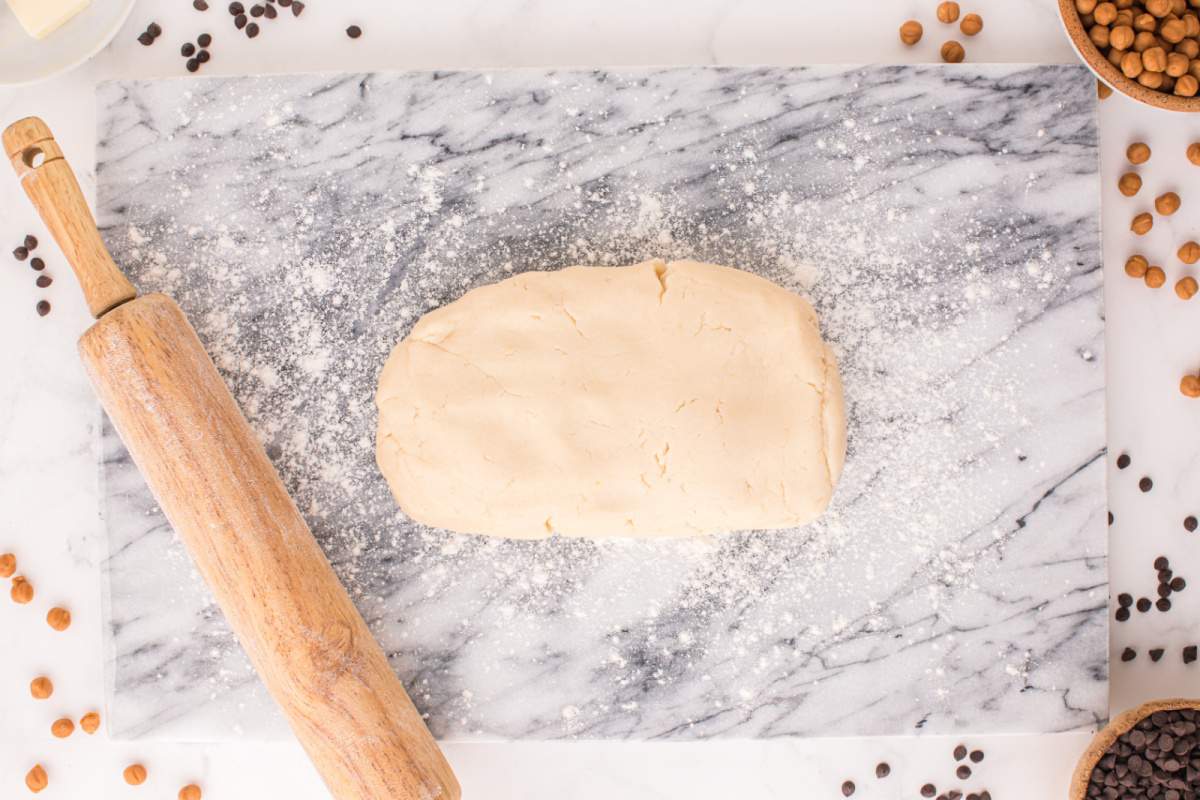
point(963, 772)
point(252, 30)
point(236, 9)
point(1189, 654)
point(960, 752)
point(847, 788)
point(1128, 654)
point(1178, 584)
point(188, 50)
point(30, 242)
point(954, 794)
point(271, 12)
point(882, 770)
point(1156, 654)
point(1162, 604)
point(1164, 590)
point(1144, 604)
point(1161, 563)
point(1189, 523)
point(145, 39)
point(354, 31)
point(285, 3)
point(256, 11)
point(240, 21)
point(297, 8)
point(154, 29)
point(1124, 600)
point(21, 253)
point(928, 790)
point(192, 65)
point(1145, 484)
point(43, 308)
point(43, 281)
point(203, 56)
point(1123, 461)
point(200, 5)
point(1110, 518)
point(1122, 615)
point(37, 264)
point(204, 40)
point(1165, 575)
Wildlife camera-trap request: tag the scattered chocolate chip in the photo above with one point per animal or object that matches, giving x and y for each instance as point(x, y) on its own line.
point(240, 21)
point(354, 31)
point(204, 40)
point(1178, 584)
point(1189, 654)
point(1164, 590)
point(1156, 654)
point(1124, 600)
point(270, 12)
point(1162, 604)
point(145, 39)
point(1144, 604)
point(847, 788)
point(1145, 484)
point(30, 242)
point(882, 770)
point(154, 29)
point(37, 264)
point(1110, 518)
point(21, 253)
point(953, 794)
point(1189, 523)
point(236, 9)
point(192, 65)
point(43, 281)
point(1123, 461)
point(963, 772)
point(297, 8)
point(928, 790)
point(1165, 575)
point(200, 5)
point(960, 752)
point(1122, 614)
point(1161, 563)
point(252, 30)
point(285, 3)
point(188, 50)
point(1128, 654)
point(43, 308)
point(203, 56)
point(257, 11)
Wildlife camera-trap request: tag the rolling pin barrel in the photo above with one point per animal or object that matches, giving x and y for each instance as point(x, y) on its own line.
point(225, 500)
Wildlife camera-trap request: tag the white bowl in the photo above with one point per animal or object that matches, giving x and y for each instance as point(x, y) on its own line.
point(24, 59)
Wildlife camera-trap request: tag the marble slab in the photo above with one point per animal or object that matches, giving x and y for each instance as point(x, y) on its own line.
point(944, 222)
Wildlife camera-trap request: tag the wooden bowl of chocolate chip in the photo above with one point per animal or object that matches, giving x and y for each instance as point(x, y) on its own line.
point(1146, 49)
point(1156, 744)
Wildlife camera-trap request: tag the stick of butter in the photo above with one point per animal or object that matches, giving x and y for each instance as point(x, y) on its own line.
point(40, 18)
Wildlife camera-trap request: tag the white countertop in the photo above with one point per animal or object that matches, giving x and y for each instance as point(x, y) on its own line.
point(48, 476)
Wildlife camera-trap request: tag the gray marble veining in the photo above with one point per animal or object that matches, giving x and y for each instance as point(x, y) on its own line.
point(944, 221)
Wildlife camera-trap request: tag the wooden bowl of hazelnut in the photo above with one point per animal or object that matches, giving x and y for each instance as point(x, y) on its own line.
point(1146, 49)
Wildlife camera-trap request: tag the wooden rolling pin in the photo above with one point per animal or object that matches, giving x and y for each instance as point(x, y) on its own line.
point(211, 476)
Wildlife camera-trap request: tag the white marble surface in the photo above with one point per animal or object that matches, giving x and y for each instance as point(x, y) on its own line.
point(48, 492)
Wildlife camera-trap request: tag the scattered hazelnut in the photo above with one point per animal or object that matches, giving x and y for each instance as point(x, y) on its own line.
point(1102, 90)
point(1190, 386)
point(1187, 86)
point(22, 590)
point(1138, 153)
point(89, 723)
point(952, 52)
point(8, 565)
point(41, 687)
point(36, 779)
point(190, 792)
point(1193, 153)
point(1189, 252)
point(947, 12)
point(135, 774)
point(1155, 277)
point(1142, 223)
point(58, 618)
point(973, 23)
point(1186, 288)
point(1166, 204)
point(62, 728)
point(1119, 38)
point(1129, 184)
point(910, 32)
point(1136, 266)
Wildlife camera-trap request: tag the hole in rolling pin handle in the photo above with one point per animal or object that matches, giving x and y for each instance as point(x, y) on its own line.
point(33, 157)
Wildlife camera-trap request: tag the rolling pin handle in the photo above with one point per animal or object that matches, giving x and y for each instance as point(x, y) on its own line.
point(51, 185)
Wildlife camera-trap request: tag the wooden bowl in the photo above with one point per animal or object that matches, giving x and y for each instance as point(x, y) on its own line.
point(1114, 729)
point(1109, 73)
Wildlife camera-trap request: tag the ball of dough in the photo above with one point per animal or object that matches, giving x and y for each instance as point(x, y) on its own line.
point(651, 400)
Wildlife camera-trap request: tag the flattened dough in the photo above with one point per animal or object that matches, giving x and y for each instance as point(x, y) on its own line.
point(651, 400)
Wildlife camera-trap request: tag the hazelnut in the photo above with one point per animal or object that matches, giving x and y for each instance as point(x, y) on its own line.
point(952, 52)
point(1105, 14)
point(1151, 80)
point(1121, 37)
point(62, 728)
point(1177, 64)
point(1136, 266)
point(971, 24)
point(1138, 153)
point(1142, 224)
point(1129, 184)
point(910, 32)
point(1173, 31)
point(1114, 56)
point(58, 618)
point(1099, 36)
point(1154, 59)
point(1191, 25)
point(135, 774)
point(22, 590)
point(1178, 7)
point(1166, 203)
point(36, 779)
point(1159, 8)
point(1085, 6)
point(41, 687)
point(1131, 65)
point(190, 792)
point(1190, 386)
point(1189, 252)
point(8, 565)
point(89, 723)
point(1143, 42)
point(1155, 277)
point(1187, 86)
point(1186, 287)
point(1189, 48)
point(1145, 23)
point(1102, 90)
point(1193, 153)
point(947, 12)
